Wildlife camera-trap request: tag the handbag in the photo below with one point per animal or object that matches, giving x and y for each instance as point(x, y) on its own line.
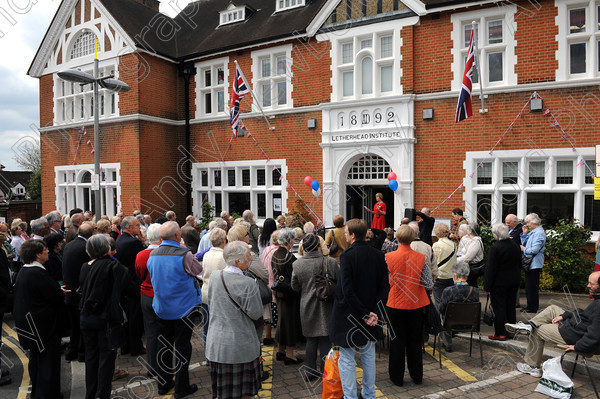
point(477, 269)
point(333, 245)
point(265, 293)
point(488, 313)
point(434, 320)
point(324, 285)
point(526, 262)
point(258, 322)
point(282, 286)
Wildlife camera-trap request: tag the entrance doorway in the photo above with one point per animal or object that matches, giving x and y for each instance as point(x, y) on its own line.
point(357, 197)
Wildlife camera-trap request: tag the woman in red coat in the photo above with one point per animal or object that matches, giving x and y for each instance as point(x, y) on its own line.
point(379, 211)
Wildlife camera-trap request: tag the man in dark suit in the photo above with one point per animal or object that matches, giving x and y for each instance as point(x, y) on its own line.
point(73, 230)
point(74, 256)
point(190, 235)
point(360, 298)
point(36, 312)
point(516, 228)
point(425, 225)
point(128, 245)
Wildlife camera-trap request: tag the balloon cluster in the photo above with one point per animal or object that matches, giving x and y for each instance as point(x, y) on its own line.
point(314, 184)
point(393, 183)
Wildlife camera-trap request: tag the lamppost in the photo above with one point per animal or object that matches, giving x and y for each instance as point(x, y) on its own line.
point(106, 82)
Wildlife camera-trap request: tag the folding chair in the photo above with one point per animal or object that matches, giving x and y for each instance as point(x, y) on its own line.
point(583, 356)
point(461, 317)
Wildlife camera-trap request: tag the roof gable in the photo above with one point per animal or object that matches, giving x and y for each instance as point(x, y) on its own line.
point(72, 18)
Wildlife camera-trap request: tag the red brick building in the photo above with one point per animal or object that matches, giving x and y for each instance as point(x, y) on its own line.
point(345, 91)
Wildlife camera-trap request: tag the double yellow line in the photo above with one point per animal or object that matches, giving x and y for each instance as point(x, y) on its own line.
point(25, 382)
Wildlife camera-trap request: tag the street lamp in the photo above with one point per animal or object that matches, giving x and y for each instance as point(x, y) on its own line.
point(106, 82)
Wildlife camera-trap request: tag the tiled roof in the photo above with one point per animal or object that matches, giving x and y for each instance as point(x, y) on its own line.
point(198, 26)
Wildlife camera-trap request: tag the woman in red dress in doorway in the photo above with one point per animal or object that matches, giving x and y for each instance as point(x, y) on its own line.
point(379, 211)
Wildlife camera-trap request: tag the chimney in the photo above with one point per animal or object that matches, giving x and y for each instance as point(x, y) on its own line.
point(153, 4)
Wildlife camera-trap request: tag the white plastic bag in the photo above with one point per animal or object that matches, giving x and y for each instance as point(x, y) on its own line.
point(554, 382)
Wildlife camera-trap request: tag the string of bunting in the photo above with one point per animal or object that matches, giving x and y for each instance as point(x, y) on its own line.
point(555, 124)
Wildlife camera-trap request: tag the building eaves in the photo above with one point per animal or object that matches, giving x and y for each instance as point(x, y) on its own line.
point(432, 5)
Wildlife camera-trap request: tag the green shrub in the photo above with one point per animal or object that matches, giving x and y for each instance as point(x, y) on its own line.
point(565, 261)
point(207, 215)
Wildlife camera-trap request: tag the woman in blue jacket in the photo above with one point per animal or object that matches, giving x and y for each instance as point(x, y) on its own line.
point(533, 244)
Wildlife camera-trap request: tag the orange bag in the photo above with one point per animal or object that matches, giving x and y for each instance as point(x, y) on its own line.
point(332, 384)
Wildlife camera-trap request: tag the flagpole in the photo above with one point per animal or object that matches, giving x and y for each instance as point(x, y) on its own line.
point(476, 54)
point(254, 96)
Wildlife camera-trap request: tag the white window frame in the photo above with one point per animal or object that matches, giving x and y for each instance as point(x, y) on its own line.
point(356, 36)
point(68, 97)
point(70, 191)
point(201, 191)
point(257, 80)
point(565, 38)
point(90, 47)
point(282, 5)
point(214, 89)
point(522, 187)
point(506, 13)
point(232, 14)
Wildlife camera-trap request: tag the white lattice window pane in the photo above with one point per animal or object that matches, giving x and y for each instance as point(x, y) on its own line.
point(484, 174)
point(495, 32)
point(367, 75)
point(386, 46)
point(265, 67)
point(220, 75)
point(281, 93)
point(367, 43)
point(510, 172)
point(220, 101)
point(577, 20)
point(266, 94)
point(537, 172)
point(207, 78)
point(467, 31)
point(564, 172)
point(347, 53)
point(589, 164)
point(348, 81)
point(281, 65)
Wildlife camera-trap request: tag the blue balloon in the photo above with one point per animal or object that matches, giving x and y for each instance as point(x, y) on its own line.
point(393, 185)
point(315, 185)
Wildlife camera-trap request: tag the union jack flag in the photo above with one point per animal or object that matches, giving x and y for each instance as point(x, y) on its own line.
point(465, 108)
point(239, 90)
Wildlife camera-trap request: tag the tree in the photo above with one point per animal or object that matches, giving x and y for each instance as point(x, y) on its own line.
point(29, 157)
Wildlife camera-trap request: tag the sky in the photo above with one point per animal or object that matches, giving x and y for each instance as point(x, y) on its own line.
point(23, 24)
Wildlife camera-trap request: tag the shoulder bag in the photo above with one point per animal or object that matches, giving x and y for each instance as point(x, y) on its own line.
point(258, 322)
point(333, 245)
point(265, 293)
point(477, 269)
point(324, 284)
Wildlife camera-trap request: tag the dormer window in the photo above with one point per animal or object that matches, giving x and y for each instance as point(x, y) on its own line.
point(288, 4)
point(232, 14)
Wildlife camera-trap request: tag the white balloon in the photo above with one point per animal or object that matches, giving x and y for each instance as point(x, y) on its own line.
point(316, 193)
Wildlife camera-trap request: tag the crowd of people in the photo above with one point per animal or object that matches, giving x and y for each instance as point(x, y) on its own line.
point(131, 285)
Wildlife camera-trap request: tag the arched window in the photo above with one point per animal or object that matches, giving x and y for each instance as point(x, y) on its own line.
point(367, 75)
point(84, 45)
point(369, 168)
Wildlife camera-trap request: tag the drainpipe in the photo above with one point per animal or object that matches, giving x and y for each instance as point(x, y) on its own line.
point(187, 71)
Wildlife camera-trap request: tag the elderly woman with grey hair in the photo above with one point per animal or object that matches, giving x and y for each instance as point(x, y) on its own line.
point(533, 244)
point(289, 330)
point(102, 282)
point(232, 347)
point(470, 248)
point(502, 279)
point(459, 292)
point(314, 314)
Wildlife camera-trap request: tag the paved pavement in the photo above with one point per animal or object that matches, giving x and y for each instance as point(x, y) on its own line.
point(460, 375)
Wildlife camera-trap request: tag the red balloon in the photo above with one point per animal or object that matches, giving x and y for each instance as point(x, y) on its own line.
point(392, 176)
point(308, 180)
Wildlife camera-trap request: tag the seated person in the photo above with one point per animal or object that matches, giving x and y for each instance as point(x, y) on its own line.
point(459, 292)
point(578, 330)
